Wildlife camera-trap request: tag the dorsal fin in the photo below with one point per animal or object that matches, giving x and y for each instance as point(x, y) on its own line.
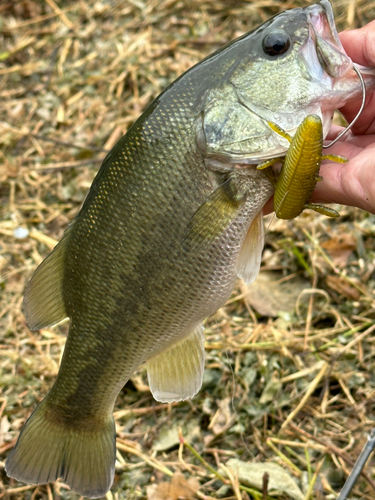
point(43, 303)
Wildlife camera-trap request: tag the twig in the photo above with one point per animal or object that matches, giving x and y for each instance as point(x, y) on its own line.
point(233, 481)
point(43, 238)
point(201, 459)
point(122, 446)
point(68, 23)
point(332, 448)
point(68, 144)
point(265, 485)
point(38, 19)
point(253, 492)
point(335, 269)
point(68, 164)
point(313, 480)
point(314, 384)
point(284, 458)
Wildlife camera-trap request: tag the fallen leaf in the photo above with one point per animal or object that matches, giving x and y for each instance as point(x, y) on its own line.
point(342, 287)
point(167, 438)
point(222, 416)
point(269, 392)
point(339, 248)
point(271, 298)
point(251, 474)
point(178, 489)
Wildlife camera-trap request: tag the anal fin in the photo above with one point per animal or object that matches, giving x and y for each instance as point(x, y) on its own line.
point(43, 303)
point(176, 374)
point(248, 263)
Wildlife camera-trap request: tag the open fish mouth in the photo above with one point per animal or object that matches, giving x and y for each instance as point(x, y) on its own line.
point(325, 42)
point(324, 21)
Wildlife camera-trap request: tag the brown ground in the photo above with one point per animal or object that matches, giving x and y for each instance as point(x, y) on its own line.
point(294, 388)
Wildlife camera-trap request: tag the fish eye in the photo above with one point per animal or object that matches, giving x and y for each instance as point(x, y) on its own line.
point(276, 43)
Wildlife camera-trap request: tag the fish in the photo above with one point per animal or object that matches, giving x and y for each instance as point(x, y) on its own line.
point(172, 218)
point(300, 170)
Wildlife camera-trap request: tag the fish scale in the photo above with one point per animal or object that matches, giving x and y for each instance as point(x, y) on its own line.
point(172, 218)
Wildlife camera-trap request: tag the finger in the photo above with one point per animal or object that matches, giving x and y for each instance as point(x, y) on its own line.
point(349, 184)
point(345, 149)
point(342, 147)
point(360, 46)
point(268, 207)
point(333, 133)
point(366, 122)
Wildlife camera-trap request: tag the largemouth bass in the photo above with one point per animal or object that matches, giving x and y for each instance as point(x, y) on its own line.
point(173, 216)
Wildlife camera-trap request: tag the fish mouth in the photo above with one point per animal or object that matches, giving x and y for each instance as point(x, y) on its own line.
point(323, 37)
point(324, 21)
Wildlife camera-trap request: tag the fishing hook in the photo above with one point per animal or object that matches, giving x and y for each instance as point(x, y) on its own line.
point(357, 115)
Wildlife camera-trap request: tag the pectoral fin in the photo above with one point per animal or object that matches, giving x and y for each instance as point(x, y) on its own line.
point(250, 257)
point(177, 373)
point(212, 217)
point(43, 303)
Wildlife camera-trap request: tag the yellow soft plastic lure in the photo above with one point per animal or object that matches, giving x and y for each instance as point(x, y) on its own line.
point(300, 170)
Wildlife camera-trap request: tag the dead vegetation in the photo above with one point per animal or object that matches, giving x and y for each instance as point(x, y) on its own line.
point(290, 365)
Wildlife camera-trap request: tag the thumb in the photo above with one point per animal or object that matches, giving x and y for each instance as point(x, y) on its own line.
point(359, 44)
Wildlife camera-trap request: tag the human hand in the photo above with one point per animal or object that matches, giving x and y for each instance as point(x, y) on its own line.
point(352, 183)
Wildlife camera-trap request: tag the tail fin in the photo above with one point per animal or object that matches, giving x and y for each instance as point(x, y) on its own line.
point(47, 450)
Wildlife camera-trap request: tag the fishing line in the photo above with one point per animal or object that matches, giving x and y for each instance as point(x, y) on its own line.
point(269, 225)
point(266, 230)
point(357, 115)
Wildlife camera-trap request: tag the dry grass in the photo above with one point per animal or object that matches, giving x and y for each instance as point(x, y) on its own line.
point(295, 389)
